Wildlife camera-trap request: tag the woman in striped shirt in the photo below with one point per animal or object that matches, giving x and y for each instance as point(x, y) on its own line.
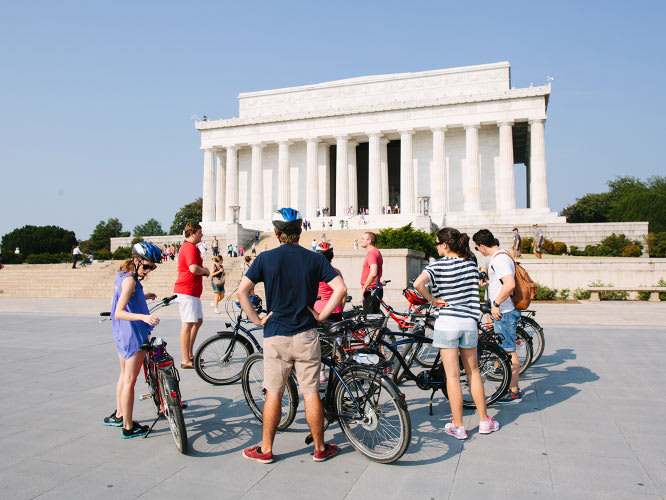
point(454, 281)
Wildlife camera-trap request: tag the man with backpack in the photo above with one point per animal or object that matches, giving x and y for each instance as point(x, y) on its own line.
point(501, 285)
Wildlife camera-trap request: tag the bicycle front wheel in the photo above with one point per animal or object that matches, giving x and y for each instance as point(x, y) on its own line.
point(252, 379)
point(219, 360)
point(523, 349)
point(383, 429)
point(495, 369)
point(172, 410)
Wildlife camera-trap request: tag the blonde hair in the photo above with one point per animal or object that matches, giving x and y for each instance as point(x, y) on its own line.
point(127, 266)
point(217, 259)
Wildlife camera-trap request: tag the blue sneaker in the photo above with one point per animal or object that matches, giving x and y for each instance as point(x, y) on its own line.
point(511, 397)
point(113, 420)
point(136, 431)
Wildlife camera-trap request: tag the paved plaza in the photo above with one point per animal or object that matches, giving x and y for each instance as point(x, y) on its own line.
point(588, 426)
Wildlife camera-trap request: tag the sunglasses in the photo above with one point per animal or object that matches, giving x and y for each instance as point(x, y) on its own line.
point(438, 242)
point(148, 267)
point(476, 248)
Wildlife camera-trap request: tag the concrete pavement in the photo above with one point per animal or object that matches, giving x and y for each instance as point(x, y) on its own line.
point(588, 427)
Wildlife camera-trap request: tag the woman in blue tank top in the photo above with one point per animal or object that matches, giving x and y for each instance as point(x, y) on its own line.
point(132, 324)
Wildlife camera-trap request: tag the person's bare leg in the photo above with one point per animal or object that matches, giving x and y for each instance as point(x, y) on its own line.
point(218, 297)
point(452, 369)
point(314, 414)
point(119, 387)
point(193, 337)
point(515, 371)
point(185, 342)
point(270, 418)
point(132, 367)
point(471, 364)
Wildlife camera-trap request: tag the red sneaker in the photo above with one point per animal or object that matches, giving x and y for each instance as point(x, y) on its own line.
point(255, 454)
point(329, 451)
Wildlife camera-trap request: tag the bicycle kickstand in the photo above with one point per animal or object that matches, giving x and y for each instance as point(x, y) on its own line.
point(151, 427)
point(431, 396)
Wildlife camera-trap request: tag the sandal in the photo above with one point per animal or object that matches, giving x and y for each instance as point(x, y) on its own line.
point(185, 366)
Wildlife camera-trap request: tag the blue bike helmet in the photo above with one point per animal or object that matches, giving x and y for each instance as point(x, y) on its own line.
point(287, 220)
point(147, 251)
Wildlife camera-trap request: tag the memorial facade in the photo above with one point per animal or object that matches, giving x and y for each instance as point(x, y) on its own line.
point(443, 144)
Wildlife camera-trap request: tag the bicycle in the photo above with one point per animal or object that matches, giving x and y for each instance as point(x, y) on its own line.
point(221, 359)
point(163, 380)
point(368, 406)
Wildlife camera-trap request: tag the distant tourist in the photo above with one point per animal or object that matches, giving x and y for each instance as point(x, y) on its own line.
point(230, 250)
point(216, 247)
point(355, 244)
point(371, 273)
point(241, 251)
point(314, 244)
point(254, 249)
point(217, 282)
point(517, 243)
point(538, 240)
point(76, 251)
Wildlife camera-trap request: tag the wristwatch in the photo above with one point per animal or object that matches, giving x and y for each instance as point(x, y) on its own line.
point(495, 304)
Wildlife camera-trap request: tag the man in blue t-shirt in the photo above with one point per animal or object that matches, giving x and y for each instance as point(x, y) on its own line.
point(291, 275)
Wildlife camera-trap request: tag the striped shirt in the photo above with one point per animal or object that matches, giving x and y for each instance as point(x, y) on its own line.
point(457, 281)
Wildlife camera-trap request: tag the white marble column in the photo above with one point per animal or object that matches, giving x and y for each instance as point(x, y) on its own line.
point(374, 174)
point(407, 204)
point(283, 180)
point(383, 163)
point(208, 192)
point(324, 167)
point(220, 185)
point(232, 181)
point(505, 184)
point(257, 189)
point(353, 176)
point(341, 177)
point(438, 171)
point(312, 186)
point(538, 179)
point(471, 174)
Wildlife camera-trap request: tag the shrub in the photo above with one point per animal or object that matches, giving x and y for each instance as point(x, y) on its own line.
point(12, 258)
point(580, 294)
point(407, 237)
point(631, 251)
point(545, 293)
point(559, 248)
point(564, 294)
point(39, 239)
point(527, 244)
point(122, 253)
point(48, 258)
point(574, 250)
point(547, 246)
point(610, 295)
point(103, 254)
point(657, 244)
point(135, 240)
point(611, 246)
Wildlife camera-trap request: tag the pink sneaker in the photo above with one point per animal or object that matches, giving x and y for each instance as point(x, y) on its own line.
point(255, 454)
point(489, 426)
point(456, 432)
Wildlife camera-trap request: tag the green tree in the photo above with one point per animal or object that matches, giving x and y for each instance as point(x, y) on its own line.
point(593, 207)
point(104, 231)
point(189, 213)
point(150, 228)
point(407, 237)
point(39, 239)
point(649, 205)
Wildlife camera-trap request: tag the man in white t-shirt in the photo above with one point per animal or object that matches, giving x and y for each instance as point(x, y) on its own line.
point(501, 282)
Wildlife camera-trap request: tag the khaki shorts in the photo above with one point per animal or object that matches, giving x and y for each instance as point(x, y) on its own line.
point(302, 351)
point(190, 308)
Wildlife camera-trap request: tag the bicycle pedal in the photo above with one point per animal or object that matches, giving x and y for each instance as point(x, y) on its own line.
point(144, 396)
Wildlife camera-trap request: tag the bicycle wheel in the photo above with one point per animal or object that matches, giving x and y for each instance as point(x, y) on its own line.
point(523, 349)
point(218, 365)
point(172, 410)
point(252, 379)
point(535, 331)
point(382, 433)
point(425, 353)
point(152, 387)
point(495, 369)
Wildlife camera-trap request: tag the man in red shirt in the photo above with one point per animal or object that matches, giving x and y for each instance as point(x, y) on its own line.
point(188, 287)
point(371, 274)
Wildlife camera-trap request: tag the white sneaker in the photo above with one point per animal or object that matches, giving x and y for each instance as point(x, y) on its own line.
point(489, 426)
point(216, 311)
point(456, 432)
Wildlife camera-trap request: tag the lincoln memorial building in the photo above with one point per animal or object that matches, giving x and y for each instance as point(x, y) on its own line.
point(442, 144)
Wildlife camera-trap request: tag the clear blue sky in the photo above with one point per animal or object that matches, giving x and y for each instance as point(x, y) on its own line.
point(96, 97)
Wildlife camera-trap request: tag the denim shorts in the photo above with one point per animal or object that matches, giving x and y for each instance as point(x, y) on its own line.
point(455, 339)
point(506, 327)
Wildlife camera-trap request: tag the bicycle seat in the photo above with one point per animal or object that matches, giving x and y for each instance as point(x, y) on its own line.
point(336, 328)
point(485, 307)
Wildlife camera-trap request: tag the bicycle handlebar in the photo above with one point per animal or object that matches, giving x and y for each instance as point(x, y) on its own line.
point(162, 303)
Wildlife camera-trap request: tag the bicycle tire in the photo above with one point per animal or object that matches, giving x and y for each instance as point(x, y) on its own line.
point(154, 391)
point(426, 353)
point(252, 378)
point(523, 349)
point(535, 330)
point(384, 412)
point(210, 365)
point(492, 360)
point(173, 411)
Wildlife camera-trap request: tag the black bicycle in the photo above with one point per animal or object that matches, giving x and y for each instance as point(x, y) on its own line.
point(368, 406)
point(163, 380)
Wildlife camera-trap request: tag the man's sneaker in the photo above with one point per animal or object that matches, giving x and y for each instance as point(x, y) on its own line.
point(511, 397)
point(488, 426)
point(456, 432)
point(113, 421)
point(136, 431)
point(330, 450)
point(255, 454)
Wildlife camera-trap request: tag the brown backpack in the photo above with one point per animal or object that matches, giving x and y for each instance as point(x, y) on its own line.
point(525, 290)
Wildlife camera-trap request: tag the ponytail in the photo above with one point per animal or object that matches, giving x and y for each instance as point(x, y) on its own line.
point(457, 242)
